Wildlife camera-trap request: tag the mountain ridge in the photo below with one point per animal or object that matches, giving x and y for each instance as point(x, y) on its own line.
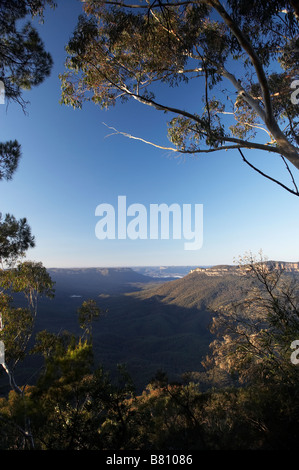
point(148, 323)
point(287, 266)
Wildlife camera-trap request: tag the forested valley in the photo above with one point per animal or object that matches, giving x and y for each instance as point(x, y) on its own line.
point(238, 391)
point(104, 359)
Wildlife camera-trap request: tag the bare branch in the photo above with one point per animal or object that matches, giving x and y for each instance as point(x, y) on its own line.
point(296, 193)
point(239, 144)
point(291, 174)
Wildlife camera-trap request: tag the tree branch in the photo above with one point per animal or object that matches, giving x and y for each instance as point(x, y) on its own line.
point(239, 144)
point(291, 174)
point(253, 103)
point(296, 193)
point(289, 151)
point(247, 47)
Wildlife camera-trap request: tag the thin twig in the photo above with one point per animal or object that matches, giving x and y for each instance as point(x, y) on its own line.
point(291, 174)
point(296, 193)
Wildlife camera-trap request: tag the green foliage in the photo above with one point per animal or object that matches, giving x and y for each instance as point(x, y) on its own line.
point(16, 331)
point(67, 359)
point(9, 159)
point(29, 277)
point(15, 238)
point(17, 326)
point(24, 63)
point(32, 280)
point(75, 405)
point(244, 57)
point(13, 409)
point(87, 313)
point(77, 408)
point(254, 334)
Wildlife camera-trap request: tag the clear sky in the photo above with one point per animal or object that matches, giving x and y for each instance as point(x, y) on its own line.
point(69, 166)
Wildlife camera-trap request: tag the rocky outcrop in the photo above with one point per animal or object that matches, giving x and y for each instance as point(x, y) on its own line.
point(220, 270)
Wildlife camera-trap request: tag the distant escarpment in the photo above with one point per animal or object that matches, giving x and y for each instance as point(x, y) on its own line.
point(221, 270)
point(211, 287)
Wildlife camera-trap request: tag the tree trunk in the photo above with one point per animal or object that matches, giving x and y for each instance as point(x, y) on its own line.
point(289, 151)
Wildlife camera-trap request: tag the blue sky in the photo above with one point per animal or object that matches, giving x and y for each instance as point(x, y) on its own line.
point(69, 166)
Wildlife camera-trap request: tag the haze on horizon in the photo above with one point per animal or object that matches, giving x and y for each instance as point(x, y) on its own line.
point(71, 166)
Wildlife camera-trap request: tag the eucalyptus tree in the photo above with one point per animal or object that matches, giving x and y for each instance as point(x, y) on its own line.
point(242, 55)
point(255, 336)
point(24, 63)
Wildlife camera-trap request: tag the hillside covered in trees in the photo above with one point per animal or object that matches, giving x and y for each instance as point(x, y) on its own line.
point(241, 396)
point(108, 359)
